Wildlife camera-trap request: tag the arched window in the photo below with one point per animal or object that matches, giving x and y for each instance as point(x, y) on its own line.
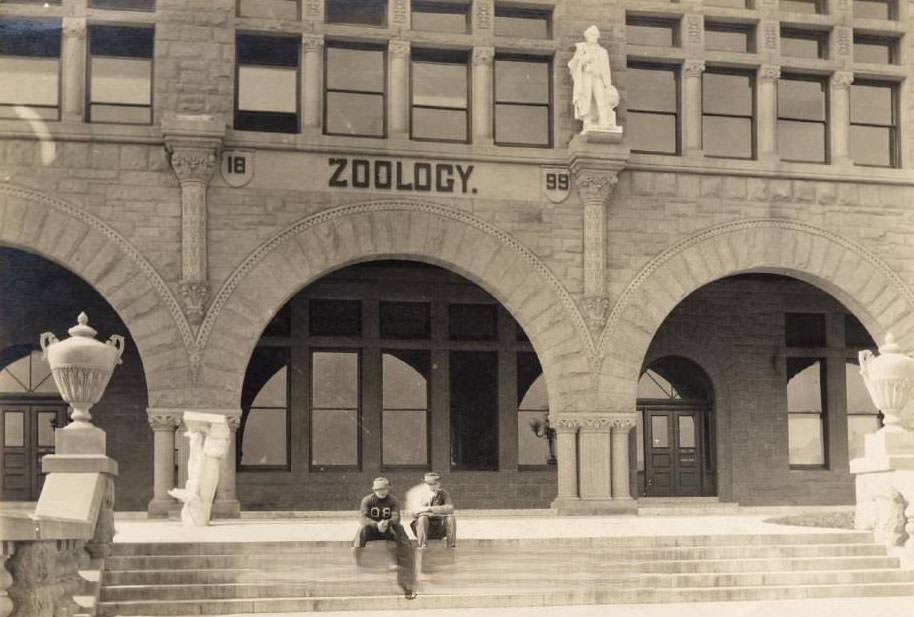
point(27, 375)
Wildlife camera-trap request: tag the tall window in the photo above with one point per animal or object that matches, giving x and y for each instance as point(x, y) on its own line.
point(875, 9)
point(874, 123)
point(266, 83)
point(120, 74)
point(875, 49)
point(651, 31)
point(354, 95)
point(806, 399)
point(523, 23)
point(804, 43)
point(404, 408)
point(803, 119)
point(29, 68)
point(523, 101)
point(728, 104)
point(652, 96)
point(264, 434)
point(335, 409)
point(440, 16)
point(440, 108)
point(356, 12)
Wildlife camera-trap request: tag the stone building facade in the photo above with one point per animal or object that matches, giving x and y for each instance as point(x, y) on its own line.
point(287, 206)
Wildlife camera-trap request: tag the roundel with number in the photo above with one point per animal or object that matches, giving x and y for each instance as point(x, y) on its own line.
point(237, 167)
point(556, 183)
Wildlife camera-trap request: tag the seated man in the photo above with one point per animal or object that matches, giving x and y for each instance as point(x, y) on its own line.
point(435, 517)
point(379, 516)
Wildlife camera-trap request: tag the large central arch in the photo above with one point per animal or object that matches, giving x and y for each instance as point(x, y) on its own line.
point(421, 231)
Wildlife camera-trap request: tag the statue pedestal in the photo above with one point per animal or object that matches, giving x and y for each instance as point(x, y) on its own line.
point(600, 135)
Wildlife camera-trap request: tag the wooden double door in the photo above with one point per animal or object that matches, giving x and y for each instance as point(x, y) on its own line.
point(677, 456)
point(26, 435)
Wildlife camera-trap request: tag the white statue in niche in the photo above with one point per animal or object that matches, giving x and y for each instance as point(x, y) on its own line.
point(208, 438)
point(594, 97)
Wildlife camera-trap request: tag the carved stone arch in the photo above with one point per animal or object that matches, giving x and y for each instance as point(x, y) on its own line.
point(69, 236)
point(401, 229)
point(856, 277)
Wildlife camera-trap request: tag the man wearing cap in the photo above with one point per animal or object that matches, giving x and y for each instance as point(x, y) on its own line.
point(435, 517)
point(379, 516)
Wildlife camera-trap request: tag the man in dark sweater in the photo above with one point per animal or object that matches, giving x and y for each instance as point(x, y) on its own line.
point(379, 516)
point(435, 517)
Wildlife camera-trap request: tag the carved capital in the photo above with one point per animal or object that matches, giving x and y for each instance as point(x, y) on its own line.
point(769, 72)
point(312, 42)
point(194, 295)
point(564, 424)
point(693, 68)
point(193, 164)
point(596, 424)
point(399, 49)
point(842, 80)
point(483, 55)
point(233, 422)
point(623, 423)
point(74, 27)
point(163, 421)
point(595, 188)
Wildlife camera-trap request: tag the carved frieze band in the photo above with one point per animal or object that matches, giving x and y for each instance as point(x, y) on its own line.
point(585, 422)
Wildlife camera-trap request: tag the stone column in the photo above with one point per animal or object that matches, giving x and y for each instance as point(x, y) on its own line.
point(73, 68)
point(595, 190)
point(483, 94)
point(840, 116)
point(311, 85)
point(163, 425)
point(621, 427)
point(226, 504)
point(768, 112)
point(692, 71)
point(566, 433)
point(595, 459)
point(399, 89)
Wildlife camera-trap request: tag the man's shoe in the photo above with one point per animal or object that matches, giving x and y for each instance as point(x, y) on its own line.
point(409, 594)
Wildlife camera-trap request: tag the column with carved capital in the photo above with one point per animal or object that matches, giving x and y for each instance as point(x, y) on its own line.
point(595, 190)
point(483, 58)
point(399, 89)
point(73, 68)
point(692, 71)
point(566, 435)
point(595, 458)
point(621, 427)
point(163, 423)
point(768, 111)
point(226, 504)
point(312, 48)
point(840, 116)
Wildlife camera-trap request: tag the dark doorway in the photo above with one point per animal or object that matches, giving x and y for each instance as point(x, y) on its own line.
point(474, 410)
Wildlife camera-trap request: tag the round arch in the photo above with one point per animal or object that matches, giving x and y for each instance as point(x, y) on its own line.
point(406, 230)
point(74, 239)
point(856, 277)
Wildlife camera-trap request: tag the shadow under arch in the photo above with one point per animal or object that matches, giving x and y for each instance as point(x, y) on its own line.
point(394, 230)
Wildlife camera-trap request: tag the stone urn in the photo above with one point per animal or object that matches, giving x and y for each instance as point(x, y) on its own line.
point(81, 367)
point(889, 379)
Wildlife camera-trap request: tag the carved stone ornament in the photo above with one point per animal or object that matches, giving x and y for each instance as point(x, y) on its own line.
point(74, 27)
point(195, 295)
point(693, 68)
point(163, 422)
point(595, 310)
point(842, 80)
point(194, 164)
point(209, 441)
point(399, 49)
point(595, 189)
point(483, 14)
point(769, 72)
point(483, 55)
point(312, 42)
point(890, 518)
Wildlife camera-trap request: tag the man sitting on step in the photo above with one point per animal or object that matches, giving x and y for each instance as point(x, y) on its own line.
point(434, 517)
point(379, 516)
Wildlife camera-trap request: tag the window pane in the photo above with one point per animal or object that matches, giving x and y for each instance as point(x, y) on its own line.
point(440, 17)
point(651, 32)
point(405, 320)
point(727, 94)
point(803, 45)
point(876, 51)
point(334, 380)
point(651, 89)
point(522, 125)
point(874, 9)
point(686, 432)
point(273, 393)
point(121, 41)
point(472, 322)
point(536, 398)
point(265, 378)
point(30, 37)
point(872, 145)
point(334, 437)
point(804, 385)
point(801, 99)
point(263, 88)
point(265, 437)
point(517, 81)
point(474, 409)
point(727, 39)
point(858, 399)
point(355, 114)
point(273, 9)
point(134, 5)
point(652, 132)
point(531, 450)
point(263, 50)
point(46, 424)
point(660, 432)
point(335, 317)
point(728, 4)
point(444, 124)
point(872, 104)
point(437, 84)
point(281, 323)
point(361, 12)
point(530, 24)
point(729, 137)
point(355, 69)
point(120, 114)
point(804, 329)
point(404, 437)
point(14, 429)
point(28, 112)
point(405, 379)
point(805, 442)
point(801, 141)
point(639, 440)
point(802, 6)
point(29, 81)
point(121, 80)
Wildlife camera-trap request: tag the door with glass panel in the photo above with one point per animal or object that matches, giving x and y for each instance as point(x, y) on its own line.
point(27, 435)
point(673, 459)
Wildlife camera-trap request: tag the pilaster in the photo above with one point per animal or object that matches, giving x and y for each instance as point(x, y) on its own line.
point(566, 433)
point(399, 51)
point(226, 504)
point(840, 117)
point(692, 71)
point(73, 68)
point(163, 422)
point(768, 76)
point(483, 57)
point(312, 81)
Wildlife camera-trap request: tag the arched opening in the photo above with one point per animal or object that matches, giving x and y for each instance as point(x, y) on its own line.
point(394, 368)
point(40, 296)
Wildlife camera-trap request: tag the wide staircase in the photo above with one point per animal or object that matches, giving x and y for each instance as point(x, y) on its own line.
point(228, 578)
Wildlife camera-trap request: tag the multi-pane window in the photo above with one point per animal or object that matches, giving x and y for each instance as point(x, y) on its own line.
point(267, 83)
point(404, 407)
point(875, 49)
point(651, 31)
point(523, 23)
point(335, 408)
point(123, 5)
point(803, 119)
point(875, 9)
point(804, 43)
point(523, 101)
point(862, 415)
point(806, 399)
point(728, 102)
point(652, 96)
point(472, 322)
point(269, 9)
point(120, 74)
point(874, 123)
point(729, 37)
point(356, 12)
point(532, 412)
point(354, 93)
point(433, 16)
point(30, 68)
point(803, 6)
point(440, 96)
point(264, 434)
